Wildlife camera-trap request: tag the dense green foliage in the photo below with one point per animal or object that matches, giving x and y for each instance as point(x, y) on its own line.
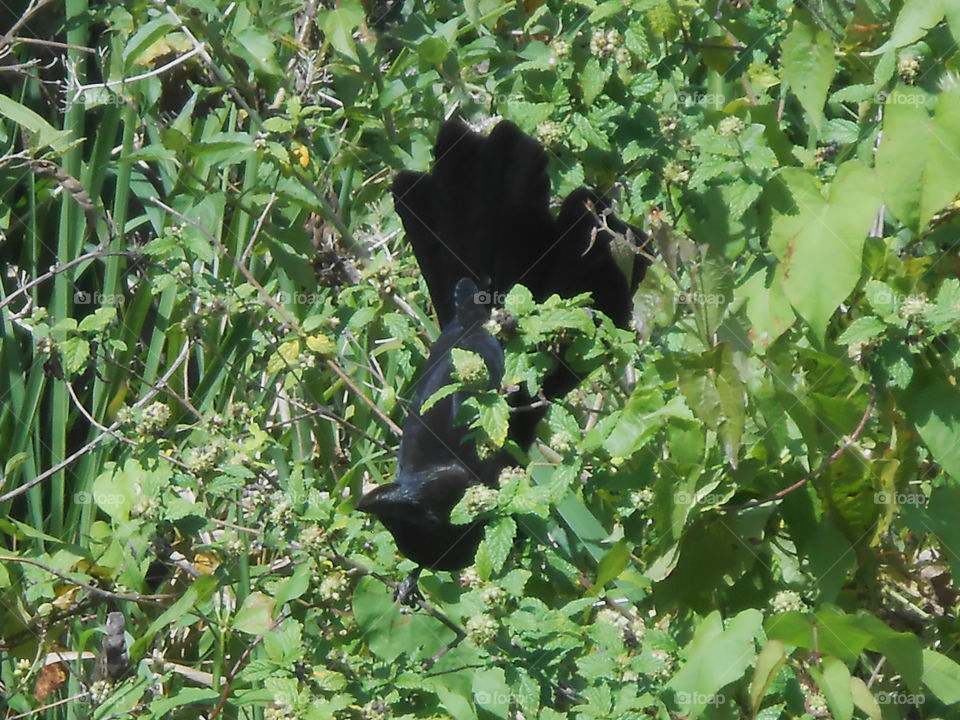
point(211, 327)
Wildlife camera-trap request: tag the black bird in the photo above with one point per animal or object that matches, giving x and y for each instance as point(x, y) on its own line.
point(481, 219)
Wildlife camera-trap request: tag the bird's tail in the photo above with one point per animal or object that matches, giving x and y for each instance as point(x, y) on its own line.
point(483, 213)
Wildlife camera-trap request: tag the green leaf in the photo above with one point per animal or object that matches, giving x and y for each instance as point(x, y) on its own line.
point(491, 691)
point(585, 131)
point(935, 411)
point(258, 48)
point(592, 80)
point(942, 676)
point(714, 391)
point(940, 517)
point(833, 679)
point(771, 658)
point(861, 330)
point(914, 20)
point(294, 586)
point(864, 699)
point(228, 148)
point(819, 241)
point(13, 463)
point(884, 301)
point(433, 50)
point(494, 416)
point(610, 566)
point(945, 312)
point(768, 309)
point(831, 558)
point(99, 320)
point(713, 292)
point(809, 64)
point(644, 414)
point(255, 616)
point(715, 657)
point(146, 37)
point(390, 632)
point(114, 490)
point(469, 368)
point(495, 547)
point(438, 395)
point(45, 135)
point(916, 160)
point(338, 26)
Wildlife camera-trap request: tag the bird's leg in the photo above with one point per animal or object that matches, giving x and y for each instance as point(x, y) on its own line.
point(407, 592)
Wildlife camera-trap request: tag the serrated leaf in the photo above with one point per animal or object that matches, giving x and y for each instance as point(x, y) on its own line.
point(98, 320)
point(493, 416)
point(588, 133)
point(285, 357)
point(527, 115)
point(495, 547)
point(592, 80)
point(75, 351)
point(945, 312)
point(438, 395)
point(862, 329)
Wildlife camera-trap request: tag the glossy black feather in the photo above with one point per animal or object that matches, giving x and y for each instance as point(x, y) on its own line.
point(481, 218)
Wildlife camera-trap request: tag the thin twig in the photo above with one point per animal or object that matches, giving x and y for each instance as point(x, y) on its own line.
point(135, 597)
point(277, 307)
point(240, 662)
point(53, 44)
point(154, 391)
point(81, 89)
point(100, 252)
point(848, 441)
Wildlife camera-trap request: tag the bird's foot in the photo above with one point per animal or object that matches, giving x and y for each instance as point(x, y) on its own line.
point(407, 592)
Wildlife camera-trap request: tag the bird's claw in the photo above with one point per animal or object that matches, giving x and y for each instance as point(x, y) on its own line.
point(407, 592)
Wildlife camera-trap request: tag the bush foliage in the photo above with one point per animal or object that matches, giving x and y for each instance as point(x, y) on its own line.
point(211, 327)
